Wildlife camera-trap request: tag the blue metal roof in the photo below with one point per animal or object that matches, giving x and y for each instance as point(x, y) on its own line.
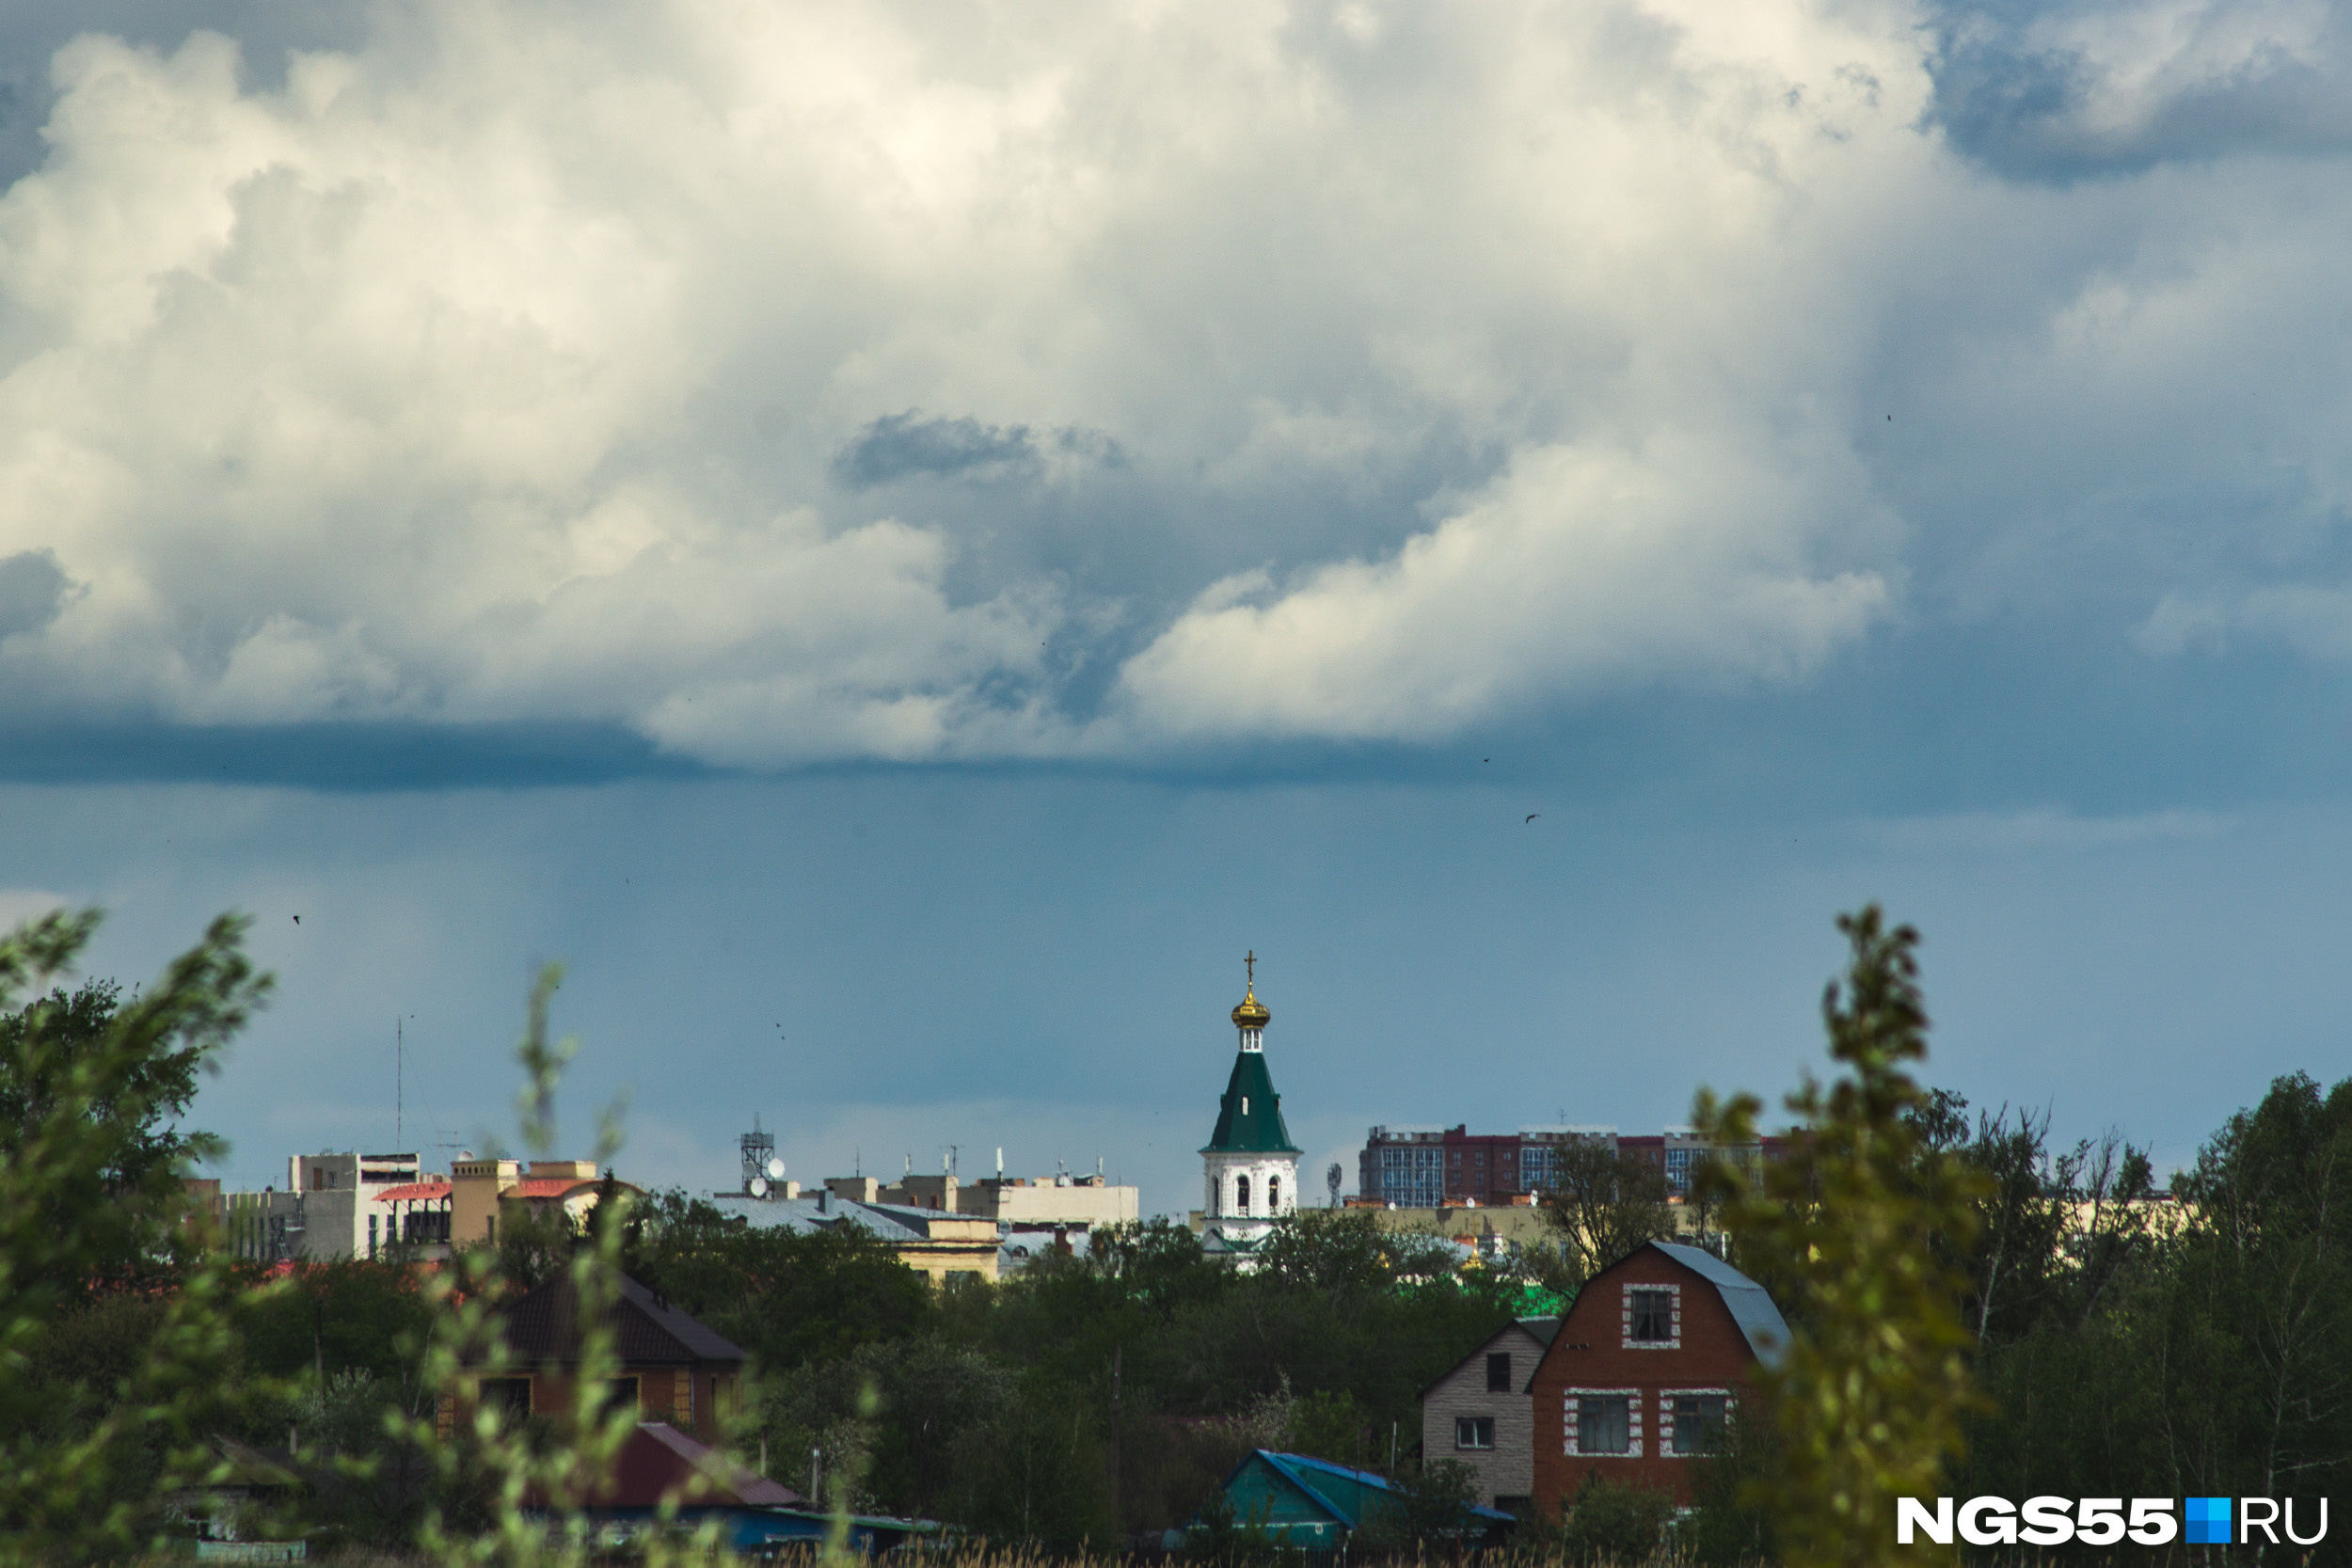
point(1313, 1477)
point(1751, 1308)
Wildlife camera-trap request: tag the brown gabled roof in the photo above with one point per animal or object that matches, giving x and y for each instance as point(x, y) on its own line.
point(648, 1331)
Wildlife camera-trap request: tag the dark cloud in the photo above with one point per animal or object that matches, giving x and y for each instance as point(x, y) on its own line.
point(334, 756)
point(908, 446)
point(2018, 89)
point(33, 588)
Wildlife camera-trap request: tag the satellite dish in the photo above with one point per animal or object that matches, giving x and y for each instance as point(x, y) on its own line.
point(775, 1168)
point(759, 1186)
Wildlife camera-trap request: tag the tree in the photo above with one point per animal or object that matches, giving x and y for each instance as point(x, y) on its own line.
point(1426, 1506)
point(89, 1190)
point(2261, 1297)
point(1858, 1232)
point(1605, 1203)
point(789, 1299)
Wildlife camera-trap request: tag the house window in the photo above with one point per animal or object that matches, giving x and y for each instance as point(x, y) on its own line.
point(1474, 1432)
point(620, 1393)
point(372, 1237)
point(1241, 1195)
point(1696, 1424)
point(510, 1396)
point(1499, 1373)
point(1604, 1424)
point(1650, 1314)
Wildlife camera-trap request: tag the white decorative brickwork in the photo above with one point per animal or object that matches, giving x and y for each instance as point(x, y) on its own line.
point(1575, 1412)
point(1674, 1340)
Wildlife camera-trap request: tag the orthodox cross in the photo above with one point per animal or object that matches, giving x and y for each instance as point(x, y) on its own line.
point(1252, 962)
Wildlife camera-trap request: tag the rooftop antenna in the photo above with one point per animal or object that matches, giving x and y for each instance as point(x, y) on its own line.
point(1000, 1162)
point(947, 1162)
point(759, 1150)
point(400, 1065)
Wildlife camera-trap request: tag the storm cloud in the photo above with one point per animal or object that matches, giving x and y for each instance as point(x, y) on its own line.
point(783, 384)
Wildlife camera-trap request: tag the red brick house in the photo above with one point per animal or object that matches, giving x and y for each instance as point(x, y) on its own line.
point(672, 1368)
point(1654, 1353)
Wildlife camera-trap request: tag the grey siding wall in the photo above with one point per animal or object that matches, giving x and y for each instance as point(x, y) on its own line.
point(1508, 1470)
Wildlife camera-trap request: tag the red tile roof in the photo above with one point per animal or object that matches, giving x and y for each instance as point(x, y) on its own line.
point(415, 1190)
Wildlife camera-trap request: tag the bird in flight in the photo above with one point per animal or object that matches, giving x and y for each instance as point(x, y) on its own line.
point(298, 920)
point(1531, 816)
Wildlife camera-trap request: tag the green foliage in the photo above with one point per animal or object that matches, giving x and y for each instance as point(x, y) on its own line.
point(790, 1300)
point(2211, 1354)
point(1331, 1426)
point(1729, 1523)
point(1428, 1506)
point(1606, 1202)
point(1857, 1233)
point(1221, 1536)
point(1613, 1522)
point(91, 1208)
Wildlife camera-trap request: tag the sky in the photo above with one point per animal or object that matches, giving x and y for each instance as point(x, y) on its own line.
point(899, 542)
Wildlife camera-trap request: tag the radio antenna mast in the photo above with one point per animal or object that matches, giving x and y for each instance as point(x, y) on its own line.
point(400, 1074)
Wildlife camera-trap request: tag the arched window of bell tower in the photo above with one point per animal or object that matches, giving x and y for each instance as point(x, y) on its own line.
point(1273, 1195)
point(1241, 1195)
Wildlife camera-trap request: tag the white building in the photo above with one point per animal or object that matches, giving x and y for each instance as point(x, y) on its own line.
point(327, 1212)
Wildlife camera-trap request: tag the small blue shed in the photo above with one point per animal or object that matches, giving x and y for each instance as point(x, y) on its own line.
point(1313, 1503)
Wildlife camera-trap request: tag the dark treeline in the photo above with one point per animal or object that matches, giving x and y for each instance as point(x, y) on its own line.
point(2136, 1349)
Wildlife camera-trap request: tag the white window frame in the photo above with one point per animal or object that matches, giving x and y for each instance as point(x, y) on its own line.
point(1624, 1303)
point(1460, 1447)
point(1573, 1420)
point(1666, 1398)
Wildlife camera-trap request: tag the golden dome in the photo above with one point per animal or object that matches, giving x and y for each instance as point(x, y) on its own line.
point(1252, 1014)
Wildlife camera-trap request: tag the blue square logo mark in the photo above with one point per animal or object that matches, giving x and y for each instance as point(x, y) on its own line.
point(2208, 1522)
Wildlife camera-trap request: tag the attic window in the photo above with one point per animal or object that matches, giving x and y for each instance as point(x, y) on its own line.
point(1244, 1105)
point(1499, 1373)
point(1650, 1317)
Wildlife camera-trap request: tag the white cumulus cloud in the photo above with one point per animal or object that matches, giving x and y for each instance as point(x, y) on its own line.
point(793, 381)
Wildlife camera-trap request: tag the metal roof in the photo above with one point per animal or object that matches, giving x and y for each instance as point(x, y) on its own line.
point(1751, 1308)
point(1304, 1471)
point(1546, 1329)
point(888, 1220)
point(1249, 1117)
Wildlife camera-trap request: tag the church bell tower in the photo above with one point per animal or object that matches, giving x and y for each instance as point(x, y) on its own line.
point(1250, 1165)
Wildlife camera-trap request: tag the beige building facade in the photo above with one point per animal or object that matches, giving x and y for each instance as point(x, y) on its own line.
point(1481, 1414)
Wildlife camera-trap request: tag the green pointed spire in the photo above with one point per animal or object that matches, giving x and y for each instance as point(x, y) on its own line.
point(1250, 1117)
